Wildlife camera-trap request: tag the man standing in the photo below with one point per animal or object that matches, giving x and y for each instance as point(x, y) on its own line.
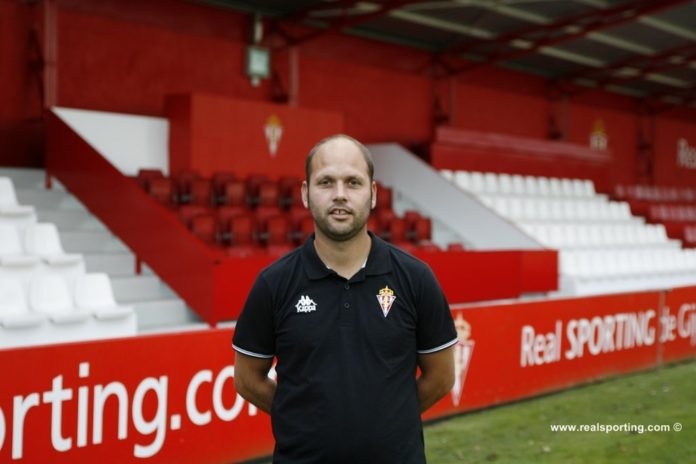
point(349, 318)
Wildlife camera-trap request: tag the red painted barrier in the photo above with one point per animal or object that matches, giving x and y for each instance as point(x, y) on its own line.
point(171, 398)
point(463, 149)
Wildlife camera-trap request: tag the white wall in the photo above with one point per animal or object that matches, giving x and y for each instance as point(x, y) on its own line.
point(128, 141)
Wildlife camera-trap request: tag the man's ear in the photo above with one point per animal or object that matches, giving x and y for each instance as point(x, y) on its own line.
point(305, 194)
point(374, 194)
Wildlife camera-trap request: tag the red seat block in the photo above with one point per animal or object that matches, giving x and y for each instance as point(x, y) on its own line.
point(202, 193)
point(204, 227)
point(183, 181)
point(234, 194)
point(219, 180)
point(269, 194)
point(396, 230)
point(384, 198)
point(162, 190)
point(277, 231)
point(145, 176)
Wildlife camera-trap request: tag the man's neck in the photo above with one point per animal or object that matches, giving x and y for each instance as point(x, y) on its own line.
point(346, 258)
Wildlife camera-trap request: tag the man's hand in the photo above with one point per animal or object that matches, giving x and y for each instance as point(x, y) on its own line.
point(252, 382)
point(437, 376)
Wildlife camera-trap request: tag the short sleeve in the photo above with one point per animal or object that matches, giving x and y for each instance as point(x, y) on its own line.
point(435, 325)
point(254, 332)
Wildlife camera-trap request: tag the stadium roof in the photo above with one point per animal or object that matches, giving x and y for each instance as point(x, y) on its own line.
point(640, 48)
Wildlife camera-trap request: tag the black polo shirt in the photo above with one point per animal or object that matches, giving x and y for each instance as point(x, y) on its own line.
point(347, 353)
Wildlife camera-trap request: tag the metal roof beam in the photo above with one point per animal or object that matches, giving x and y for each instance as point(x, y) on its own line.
point(607, 18)
point(546, 28)
point(634, 60)
point(346, 20)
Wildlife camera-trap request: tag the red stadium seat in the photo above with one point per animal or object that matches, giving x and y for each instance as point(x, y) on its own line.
point(294, 197)
point(182, 181)
point(186, 213)
point(277, 231)
point(234, 194)
point(146, 175)
point(384, 198)
point(297, 215)
point(253, 183)
point(202, 192)
point(455, 247)
point(162, 190)
point(242, 230)
point(204, 227)
point(306, 229)
point(373, 224)
point(384, 217)
point(219, 180)
point(396, 230)
point(286, 187)
point(422, 230)
point(268, 194)
point(224, 217)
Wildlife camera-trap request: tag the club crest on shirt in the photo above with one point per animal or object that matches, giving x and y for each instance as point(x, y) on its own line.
point(305, 304)
point(386, 298)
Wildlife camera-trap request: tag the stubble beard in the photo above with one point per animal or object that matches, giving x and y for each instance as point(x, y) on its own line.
point(323, 222)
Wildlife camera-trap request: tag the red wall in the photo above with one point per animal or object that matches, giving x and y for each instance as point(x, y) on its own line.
point(667, 170)
point(127, 57)
point(20, 103)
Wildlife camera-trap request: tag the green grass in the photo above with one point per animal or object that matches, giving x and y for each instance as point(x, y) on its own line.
point(520, 432)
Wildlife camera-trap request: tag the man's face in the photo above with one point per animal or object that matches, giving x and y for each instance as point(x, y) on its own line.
point(339, 193)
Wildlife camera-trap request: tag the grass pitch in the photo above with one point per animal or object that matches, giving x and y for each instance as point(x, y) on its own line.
point(521, 432)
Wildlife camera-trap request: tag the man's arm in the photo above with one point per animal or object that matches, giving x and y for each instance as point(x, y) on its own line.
point(252, 382)
point(437, 376)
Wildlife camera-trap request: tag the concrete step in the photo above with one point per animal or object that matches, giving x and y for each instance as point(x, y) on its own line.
point(163, 313)
point(27, 178)
point(48, 199)
point(71, 220)
point(91, 241)
point(129, 289)
point(114, 264)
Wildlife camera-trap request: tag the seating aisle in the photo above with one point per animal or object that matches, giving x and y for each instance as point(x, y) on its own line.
point(96, 271)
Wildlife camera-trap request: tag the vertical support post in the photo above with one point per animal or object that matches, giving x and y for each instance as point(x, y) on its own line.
point(50, 46)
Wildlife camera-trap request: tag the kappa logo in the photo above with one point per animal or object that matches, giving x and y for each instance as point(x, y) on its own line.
point(463, 350)
point(386, 298)
point(305, 305)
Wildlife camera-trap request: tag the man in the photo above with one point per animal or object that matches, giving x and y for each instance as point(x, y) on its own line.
point(349, 318)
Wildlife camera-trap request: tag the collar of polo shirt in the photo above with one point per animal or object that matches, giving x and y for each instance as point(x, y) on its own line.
point(377, 262)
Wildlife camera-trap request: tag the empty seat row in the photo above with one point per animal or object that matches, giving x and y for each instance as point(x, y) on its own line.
point(672, 213)
point(233, 227)
point(225, 188)
point(574, 236)
point(653, 268)
point(513, 184)
point(655, 193)
point(535, 209)
point(50, 309)
point(24, 252)
point(11, 212)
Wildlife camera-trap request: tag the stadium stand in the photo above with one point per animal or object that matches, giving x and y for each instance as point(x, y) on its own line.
point(256, 214)
point(603, 247)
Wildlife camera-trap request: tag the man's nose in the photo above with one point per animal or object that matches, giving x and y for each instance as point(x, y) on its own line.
point(340, 191)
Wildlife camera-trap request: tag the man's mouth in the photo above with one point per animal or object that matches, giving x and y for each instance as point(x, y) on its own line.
point(340, 212)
